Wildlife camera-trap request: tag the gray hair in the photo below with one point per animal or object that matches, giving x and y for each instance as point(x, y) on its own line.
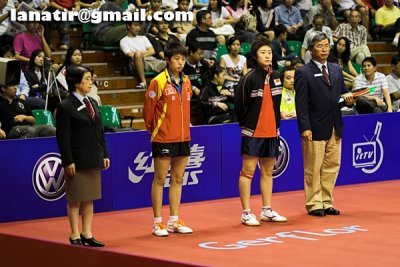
point(316, 39)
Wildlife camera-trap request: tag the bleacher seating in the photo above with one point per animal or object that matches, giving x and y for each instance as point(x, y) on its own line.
point(118, 91)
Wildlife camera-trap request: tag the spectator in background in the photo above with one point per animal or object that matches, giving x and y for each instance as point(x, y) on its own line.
point(200, 4)
point(164, 35)
point(30, 40)
point(222, 21)
point(288, 106)
point(325, 8)
point(289, 16)
point(16, 117)
point(140, 53)
point(318, 26)
point(149, 27)
point(237, 8)
point(265, 16)
point(63, 27)
point(387, 21)
point(378, 100)
point(203, 36)
point(6, 38)
point(195, 68)
point(340, 54)
point(215, 99)
point(23, 87)
point(182, 27)
point(142, 3)
point(110, 32)
point(393, 80)
point(282, 54)
point(297, 63)
point(304, 6)
point(345, 7)
point(36, 75)
point(357, 34)
point(234, 64)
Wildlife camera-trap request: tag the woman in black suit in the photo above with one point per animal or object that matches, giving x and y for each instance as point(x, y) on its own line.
point(84, 153)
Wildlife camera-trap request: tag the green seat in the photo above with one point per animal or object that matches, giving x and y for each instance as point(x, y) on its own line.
point(295, 46)
point(150, 74)
point(358, 67)
point(315, 2)
point(245, 48)
point(221, 50)
point(110, 116)
point(43, 117)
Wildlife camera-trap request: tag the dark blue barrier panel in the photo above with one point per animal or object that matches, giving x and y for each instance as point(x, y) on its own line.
point(31, 181)
point(30, 169)
point(133, 168)
point(370, 148)
point(288, 168)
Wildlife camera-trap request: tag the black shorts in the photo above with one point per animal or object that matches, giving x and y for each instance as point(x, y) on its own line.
point(260, 147)
point(179, 149)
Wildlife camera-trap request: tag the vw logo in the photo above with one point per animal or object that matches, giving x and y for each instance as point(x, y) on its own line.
point(283, 158)
point(48, 177)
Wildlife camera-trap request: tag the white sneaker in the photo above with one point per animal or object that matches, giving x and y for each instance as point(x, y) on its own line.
point(250, 219)
point(178, 227)
point(272, 216)
point(159, 229)
point(395, 40)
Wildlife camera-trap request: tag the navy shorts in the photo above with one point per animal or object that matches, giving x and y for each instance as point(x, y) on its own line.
point(179, 149)
point(260, 147)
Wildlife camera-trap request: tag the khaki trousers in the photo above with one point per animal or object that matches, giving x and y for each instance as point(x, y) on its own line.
point(358, 53)
point(321, 167)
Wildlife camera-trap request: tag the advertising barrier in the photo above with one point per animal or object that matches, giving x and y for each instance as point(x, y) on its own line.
point(32, 184)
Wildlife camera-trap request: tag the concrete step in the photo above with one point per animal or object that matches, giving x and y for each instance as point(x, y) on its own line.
point(381, 47)
point(121, 97)
point(383, 57)
point(385, 68)
point(88, 56)
point(111, 82)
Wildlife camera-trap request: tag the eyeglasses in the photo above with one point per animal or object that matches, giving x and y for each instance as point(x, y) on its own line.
point(327, 46)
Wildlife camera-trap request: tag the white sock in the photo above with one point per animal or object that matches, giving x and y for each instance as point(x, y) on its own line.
point(247, 211)
point(173, 218)
point(157, 220)
point(266, 208)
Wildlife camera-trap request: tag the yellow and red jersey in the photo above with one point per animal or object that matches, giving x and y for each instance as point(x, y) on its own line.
point(166, 110)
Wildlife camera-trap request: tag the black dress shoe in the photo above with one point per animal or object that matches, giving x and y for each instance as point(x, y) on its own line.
point(332, 211)
point(319, 213)
point(75, 242)
point(91, 242)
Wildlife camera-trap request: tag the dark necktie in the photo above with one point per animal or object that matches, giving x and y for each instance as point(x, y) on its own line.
point(325, 74)
point(89, 108)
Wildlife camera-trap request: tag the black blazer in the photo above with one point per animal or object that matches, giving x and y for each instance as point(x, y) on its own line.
point(317, 104)
point(80, 139)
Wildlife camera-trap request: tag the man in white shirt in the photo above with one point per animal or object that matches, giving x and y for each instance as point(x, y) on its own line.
point(139, 49)
point(318, 26)
point(393, 80)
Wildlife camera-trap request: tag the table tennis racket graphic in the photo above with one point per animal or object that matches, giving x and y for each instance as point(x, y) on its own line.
point(360, 92)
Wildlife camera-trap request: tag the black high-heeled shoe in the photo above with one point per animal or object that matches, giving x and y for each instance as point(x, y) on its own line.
point(91, 242)
point(75, 242)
